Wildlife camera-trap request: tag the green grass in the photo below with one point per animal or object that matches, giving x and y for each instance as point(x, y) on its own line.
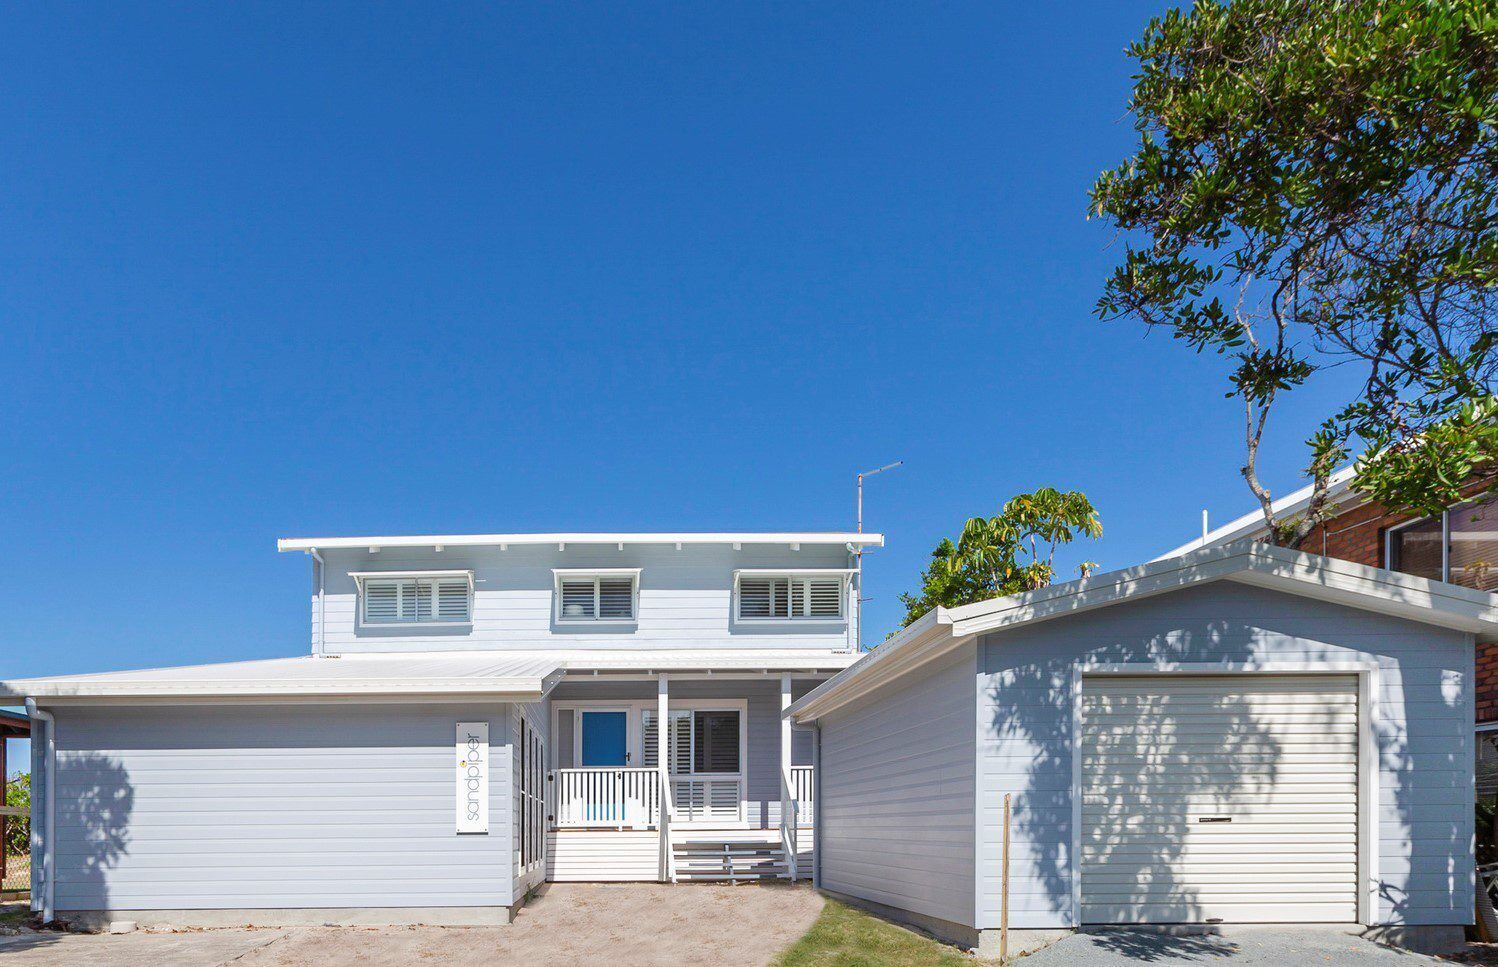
point(845, 937)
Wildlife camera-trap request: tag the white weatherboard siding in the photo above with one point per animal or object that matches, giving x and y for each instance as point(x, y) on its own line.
point(685, 599)
point(1422, 735)
point(895, 808)
point(173, 808)
point(1230, 798)
point(603, 856)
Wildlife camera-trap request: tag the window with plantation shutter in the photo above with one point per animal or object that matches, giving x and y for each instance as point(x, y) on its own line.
point(699, 742)
point(790, 597)
point(602, 596)
point(415, 600)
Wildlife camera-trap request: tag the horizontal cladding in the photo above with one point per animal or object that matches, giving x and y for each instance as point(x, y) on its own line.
point(275, 807)
point(895, 795)
point(685, 597)
point(1424, 739)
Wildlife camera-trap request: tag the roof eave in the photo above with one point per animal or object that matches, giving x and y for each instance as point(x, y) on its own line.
point(286, 544)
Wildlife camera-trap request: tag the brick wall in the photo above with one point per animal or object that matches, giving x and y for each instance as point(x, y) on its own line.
point(1357, 534)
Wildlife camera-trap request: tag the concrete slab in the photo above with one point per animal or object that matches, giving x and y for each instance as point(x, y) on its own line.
point(133, 949)
point(1246, 946)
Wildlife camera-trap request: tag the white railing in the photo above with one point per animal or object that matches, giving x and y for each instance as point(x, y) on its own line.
point(668, 845)
point(606, 797)
point(801, 789)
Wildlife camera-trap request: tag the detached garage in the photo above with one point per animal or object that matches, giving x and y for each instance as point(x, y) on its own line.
point(1241, 735)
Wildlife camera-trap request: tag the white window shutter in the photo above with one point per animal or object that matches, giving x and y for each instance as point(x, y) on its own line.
point(826, 598)
point(381, 601)
point(577, 600)
point(616, 598)
point(453, 600)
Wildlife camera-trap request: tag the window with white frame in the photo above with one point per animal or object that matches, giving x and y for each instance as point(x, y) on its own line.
point(765, 597)
point(597, 596)
point(698, 742)
point(1459, 546)
point(445, 599)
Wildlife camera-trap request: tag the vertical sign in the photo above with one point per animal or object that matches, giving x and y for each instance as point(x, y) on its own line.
point(473, 777)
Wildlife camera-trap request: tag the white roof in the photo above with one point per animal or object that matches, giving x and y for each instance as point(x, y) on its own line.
point(510, 676)
point(471, 540)
point(519, 678)
point(1248, 562)
point(1252, 524)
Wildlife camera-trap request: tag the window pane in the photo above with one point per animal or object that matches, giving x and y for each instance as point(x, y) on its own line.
point(717, 746)
point(1416, 549)
point(616, 598)
point(577, 599)
point(1474, 546)
point(754, 598)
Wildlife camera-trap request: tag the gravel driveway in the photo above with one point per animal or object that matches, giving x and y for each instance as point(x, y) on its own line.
point(1245, 946)
point(622, 925)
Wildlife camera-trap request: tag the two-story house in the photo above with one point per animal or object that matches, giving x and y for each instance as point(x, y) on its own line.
point(477, 714)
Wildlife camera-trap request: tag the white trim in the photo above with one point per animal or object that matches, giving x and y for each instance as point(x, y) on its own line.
point(1277, 568)
point(563, 574)
point(476, 540)
point(1368, 762)
point(796, 572)
point(359, 576)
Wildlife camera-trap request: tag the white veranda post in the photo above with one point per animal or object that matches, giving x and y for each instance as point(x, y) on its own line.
point(663, 775)
point(788, 819)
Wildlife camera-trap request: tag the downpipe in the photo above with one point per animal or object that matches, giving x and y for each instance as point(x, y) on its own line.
point(49, 811)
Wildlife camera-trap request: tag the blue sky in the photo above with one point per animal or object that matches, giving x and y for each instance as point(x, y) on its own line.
point(271, 271)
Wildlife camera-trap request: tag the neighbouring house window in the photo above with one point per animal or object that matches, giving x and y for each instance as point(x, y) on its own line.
point(601, 597)
point(417, 601)
point(699, 741)
point(1460, 546)
point(790, 597)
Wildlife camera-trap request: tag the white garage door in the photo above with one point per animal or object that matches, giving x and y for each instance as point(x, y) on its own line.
point(1229, 798)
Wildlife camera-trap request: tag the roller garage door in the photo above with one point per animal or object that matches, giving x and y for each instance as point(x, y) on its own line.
point(1219, 798)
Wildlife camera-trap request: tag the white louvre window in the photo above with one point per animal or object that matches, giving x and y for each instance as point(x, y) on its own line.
point(790, 597)
point(417, 601)
point(609, 596)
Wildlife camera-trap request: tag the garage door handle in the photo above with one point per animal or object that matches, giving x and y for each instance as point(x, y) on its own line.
point(1214, 819)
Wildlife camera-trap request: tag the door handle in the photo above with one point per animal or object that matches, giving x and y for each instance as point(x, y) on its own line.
point(1214, 819)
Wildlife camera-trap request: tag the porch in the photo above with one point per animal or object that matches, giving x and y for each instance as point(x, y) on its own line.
point(725, 790)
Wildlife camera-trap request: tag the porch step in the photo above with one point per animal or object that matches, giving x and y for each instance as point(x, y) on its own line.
point(729, 857)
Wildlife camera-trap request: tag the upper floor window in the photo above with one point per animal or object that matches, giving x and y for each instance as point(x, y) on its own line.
point(597, 596)
point(1460, 546)
point(791, 596)
point(415, 598)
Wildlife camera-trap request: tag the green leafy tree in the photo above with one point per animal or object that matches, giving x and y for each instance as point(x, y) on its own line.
point(18, 829)
point(1315, 185)
point(1011, 552)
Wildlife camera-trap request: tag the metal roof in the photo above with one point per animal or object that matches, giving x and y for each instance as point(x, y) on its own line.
point(1328, 579)
point(487, 675)
point(504, 675)
point(1252, 524)
point(471, 540)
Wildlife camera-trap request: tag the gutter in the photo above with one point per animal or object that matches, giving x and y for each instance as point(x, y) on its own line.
point(49, 811)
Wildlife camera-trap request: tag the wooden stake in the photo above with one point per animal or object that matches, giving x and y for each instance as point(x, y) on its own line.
point(1004, 888)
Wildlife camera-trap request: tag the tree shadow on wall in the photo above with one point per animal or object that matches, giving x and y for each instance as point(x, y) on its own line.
point(1170, 781)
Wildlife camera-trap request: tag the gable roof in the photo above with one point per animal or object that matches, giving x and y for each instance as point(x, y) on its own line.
point(1252, 524)
point(1248, 562)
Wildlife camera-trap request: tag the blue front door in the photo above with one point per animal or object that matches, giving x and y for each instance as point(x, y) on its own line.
point(604, 738)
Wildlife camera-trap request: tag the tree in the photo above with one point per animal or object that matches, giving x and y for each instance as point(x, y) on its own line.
point(1318, 186)
point(1012, 552)
point(18, 828)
